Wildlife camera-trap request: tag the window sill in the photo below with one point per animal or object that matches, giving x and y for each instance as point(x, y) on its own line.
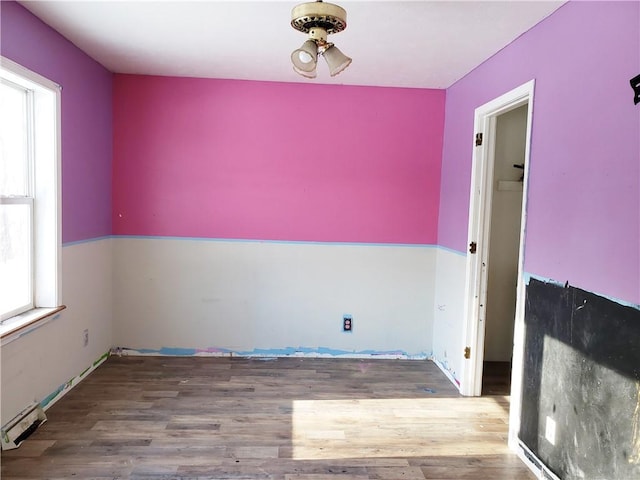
point(15, 327)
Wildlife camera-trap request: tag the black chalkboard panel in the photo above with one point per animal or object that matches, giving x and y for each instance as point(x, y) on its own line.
point(581, 383)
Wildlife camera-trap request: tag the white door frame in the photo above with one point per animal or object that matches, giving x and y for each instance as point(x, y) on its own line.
point(479, 229)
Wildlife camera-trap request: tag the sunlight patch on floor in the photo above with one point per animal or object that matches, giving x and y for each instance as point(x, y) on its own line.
point(387, 428)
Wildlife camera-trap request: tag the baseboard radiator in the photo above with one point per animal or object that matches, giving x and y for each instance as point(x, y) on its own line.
point(21, 426)
point(534, 463)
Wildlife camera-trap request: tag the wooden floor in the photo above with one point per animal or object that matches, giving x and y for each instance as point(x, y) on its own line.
point(496, 378)
point(293, 418)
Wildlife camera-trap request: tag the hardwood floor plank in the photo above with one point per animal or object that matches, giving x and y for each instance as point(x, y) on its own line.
point(34, 448)
point(194, 418)
point(403, 473)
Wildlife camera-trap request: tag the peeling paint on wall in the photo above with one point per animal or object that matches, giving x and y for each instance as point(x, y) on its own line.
point(530, 276)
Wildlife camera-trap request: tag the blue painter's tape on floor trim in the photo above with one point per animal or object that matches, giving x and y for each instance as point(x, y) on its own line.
point(63, 389)
point(271, 352)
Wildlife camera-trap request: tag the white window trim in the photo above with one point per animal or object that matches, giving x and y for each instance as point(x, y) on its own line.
point(14, 327)
point(47, 216)
point(26, 200)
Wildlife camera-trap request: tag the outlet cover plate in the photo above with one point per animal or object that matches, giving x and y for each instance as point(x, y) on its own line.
point(347, 323)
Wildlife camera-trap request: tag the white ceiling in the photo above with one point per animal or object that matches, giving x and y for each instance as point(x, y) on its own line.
point(424, 44)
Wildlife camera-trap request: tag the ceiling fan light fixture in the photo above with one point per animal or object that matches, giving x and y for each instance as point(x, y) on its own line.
point(305, 58)
point(318, 19)
point(305, 73)
point(336, 60)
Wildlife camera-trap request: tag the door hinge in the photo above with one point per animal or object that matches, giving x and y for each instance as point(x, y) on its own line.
point(478, 139)
point(467, 352)
point(473, 247)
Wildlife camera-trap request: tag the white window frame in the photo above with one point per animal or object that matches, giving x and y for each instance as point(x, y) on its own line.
point(45, 139)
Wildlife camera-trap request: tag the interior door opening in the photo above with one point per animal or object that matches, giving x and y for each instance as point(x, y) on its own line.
point(494, 293)
point(503, 250)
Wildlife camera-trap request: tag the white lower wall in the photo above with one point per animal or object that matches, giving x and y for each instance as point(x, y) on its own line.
point(263, 297)
point(38, 363)
point(448, 321)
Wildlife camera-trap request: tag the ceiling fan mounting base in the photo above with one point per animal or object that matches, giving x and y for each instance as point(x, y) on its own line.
point(327, 16)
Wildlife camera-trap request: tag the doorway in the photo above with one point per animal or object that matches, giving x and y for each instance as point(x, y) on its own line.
point(505, 218)
point(494, 296)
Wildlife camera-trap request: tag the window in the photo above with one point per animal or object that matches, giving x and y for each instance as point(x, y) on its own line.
point(29, 192)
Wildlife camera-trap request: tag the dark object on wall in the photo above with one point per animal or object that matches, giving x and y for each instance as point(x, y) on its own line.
point(581, 383)
point(521, 167)
point(635, 84)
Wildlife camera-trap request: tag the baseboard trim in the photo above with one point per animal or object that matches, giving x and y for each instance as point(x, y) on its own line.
point(319, 352)
point(63, 389)
point(447, 372)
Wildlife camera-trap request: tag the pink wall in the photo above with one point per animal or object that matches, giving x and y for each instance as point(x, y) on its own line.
point(584, 203)
point(272, 161)
point(86, 117)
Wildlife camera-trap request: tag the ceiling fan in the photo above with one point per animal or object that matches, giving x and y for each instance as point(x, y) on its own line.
point(318, 19)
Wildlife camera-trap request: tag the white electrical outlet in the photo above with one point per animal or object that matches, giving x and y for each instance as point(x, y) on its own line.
point(85, 337)
point(550, 431)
